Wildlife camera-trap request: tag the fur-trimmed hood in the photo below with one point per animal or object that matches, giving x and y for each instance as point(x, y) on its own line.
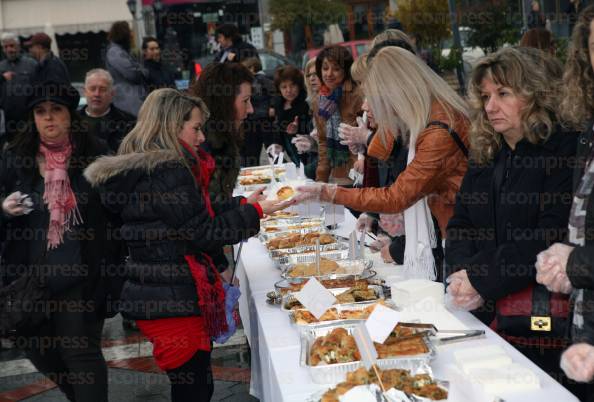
point(107, 167)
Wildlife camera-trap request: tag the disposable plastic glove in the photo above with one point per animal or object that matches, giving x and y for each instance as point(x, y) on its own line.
point(392, 224)
point(316, 192)
point(578, 362)
point(304, 143)
point(352, 135)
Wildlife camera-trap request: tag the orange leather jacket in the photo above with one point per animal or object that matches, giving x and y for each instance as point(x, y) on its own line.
point(350, 106)
point(436, 172)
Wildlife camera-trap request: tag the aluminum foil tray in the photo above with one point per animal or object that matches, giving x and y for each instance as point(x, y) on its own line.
point(354, 269)
point(335, 373)
point(339, 308)
point(379, 293)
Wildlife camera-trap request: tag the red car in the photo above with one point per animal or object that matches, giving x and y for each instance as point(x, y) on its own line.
point(357, 48)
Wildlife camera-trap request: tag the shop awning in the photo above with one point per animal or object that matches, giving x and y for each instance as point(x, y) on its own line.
point(25, 17)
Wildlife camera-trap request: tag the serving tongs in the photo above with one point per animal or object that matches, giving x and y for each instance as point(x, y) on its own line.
point(431, 330)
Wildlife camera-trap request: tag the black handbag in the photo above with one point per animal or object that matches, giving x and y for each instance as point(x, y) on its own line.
point(23, 305)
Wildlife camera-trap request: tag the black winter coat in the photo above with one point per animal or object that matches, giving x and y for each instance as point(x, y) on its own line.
point(496, 235)
point(91, 254)
point(158, 76)
point(111, 128)
point(580, 265)
point(241, 49)
point(165, 218)
point(52, 68)
point(284, 117)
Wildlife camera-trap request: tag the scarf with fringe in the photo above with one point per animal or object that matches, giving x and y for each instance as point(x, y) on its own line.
point(58, 195)
point(420, 235)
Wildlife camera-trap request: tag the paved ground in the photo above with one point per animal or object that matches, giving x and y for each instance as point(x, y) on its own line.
point(133, 375)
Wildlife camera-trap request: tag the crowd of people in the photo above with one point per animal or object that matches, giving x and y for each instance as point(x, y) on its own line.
point(126, 205)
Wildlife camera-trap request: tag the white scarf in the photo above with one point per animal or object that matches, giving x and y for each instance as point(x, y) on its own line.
point(420, 235)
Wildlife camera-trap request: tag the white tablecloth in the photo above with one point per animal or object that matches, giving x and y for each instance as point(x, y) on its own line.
point(277, 375)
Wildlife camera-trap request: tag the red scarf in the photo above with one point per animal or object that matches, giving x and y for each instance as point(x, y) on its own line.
point(58, 194)
point(211, 296)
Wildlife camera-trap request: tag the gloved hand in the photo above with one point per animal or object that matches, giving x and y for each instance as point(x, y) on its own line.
point(304, 143)
point(17, 204)
point(551, 268)
point(352, 135)
point(316, 192)
point(380, 241)
point(392, 224)
point(270, 206)
point(357, 149)
point(359, 166)
point(365, 222)
point(460, 294)
point(578, 362)
point(314, 134)
point(273, 151)
point(385, 253)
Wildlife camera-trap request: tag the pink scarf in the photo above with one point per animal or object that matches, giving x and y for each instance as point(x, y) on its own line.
point(58, 194)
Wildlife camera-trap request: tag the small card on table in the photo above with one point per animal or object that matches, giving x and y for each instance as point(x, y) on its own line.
point(315, 298)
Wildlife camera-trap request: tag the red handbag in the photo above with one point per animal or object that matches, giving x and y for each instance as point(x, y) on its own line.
point(533, 317)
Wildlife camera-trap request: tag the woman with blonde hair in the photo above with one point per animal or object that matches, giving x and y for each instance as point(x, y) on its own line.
point(158, 186)
point(410, 101)
point(514, 202)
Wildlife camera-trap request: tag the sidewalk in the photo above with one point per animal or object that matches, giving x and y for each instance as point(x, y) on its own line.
point(133, 376)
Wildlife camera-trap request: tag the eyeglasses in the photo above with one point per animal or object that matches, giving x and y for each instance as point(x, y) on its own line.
point(310, 75)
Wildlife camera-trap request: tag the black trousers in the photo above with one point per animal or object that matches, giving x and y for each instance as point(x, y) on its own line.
point(67, 348)
point(193, 381)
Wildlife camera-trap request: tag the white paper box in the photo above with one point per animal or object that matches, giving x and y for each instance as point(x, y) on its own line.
point(506, 379)
point(414, 290)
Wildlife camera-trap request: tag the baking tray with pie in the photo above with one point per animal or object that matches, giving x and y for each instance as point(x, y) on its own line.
point(369, 294)
point(417, 386)
point(337, 314)
point(412, 354)
point(304, 266)
point(295, 284)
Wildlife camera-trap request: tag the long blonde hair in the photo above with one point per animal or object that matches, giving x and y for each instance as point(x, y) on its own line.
point(534, 77)
point(160, 121)
point(401, 88)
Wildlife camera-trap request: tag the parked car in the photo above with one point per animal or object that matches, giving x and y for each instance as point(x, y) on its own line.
point(470, 54)
point(270, 62)
point(357, 48)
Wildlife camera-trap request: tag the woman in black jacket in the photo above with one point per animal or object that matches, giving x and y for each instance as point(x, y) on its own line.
point(514, 201)
point(158, 185)
point(54, 226)
point(292, 116)
point(569, 268)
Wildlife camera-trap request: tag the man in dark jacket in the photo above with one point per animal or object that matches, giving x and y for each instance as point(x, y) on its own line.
point(50, 67)
point(233, 48)
point(16, 72)
point(100, 117)
point(159, 75)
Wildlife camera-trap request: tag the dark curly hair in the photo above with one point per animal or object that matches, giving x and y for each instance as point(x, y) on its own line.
point(120, 34)
point(338, 54)
point(289, 73)
point(218, 86)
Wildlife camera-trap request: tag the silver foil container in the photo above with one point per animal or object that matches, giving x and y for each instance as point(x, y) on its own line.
point(379, 293)
point(335, 373)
